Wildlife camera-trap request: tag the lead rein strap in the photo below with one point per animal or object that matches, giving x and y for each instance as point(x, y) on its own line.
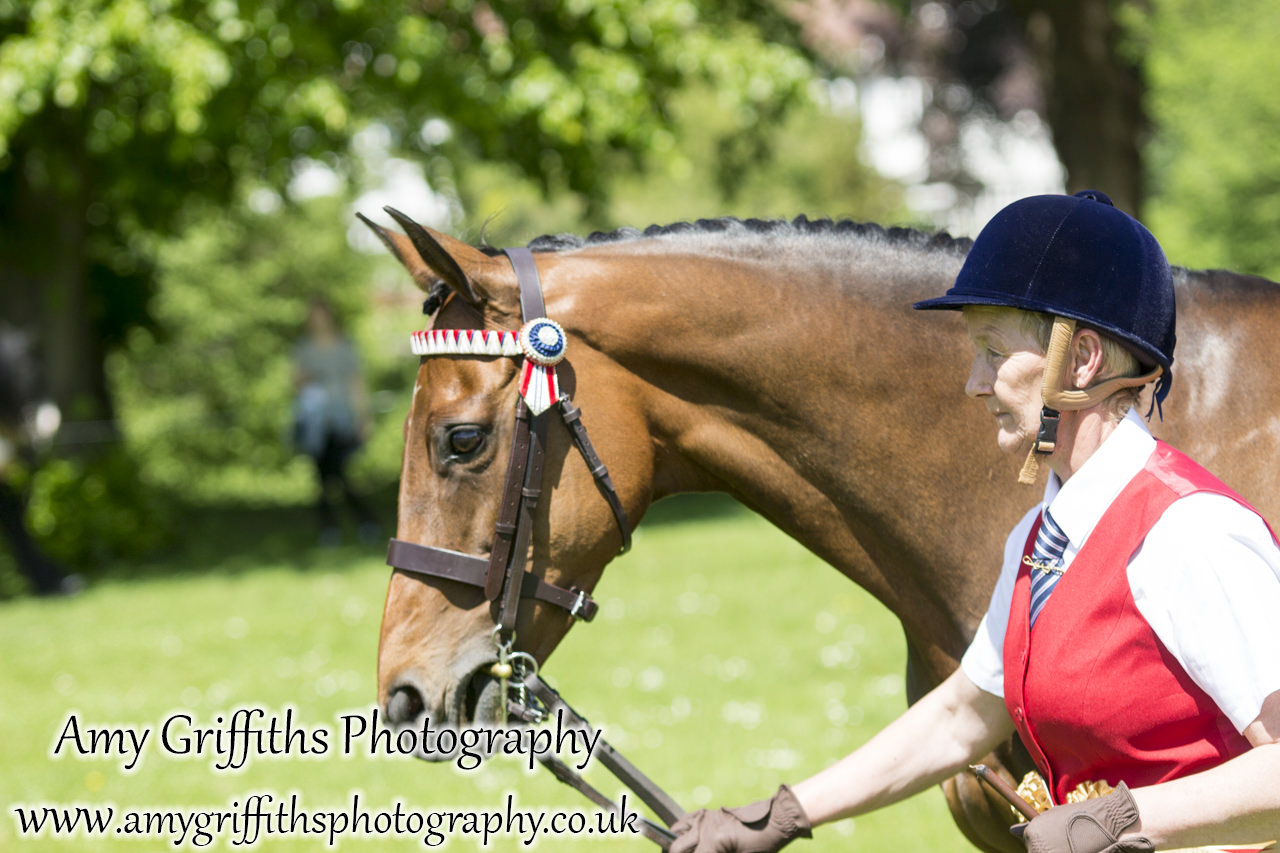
point(659, 835)
point(653, 796)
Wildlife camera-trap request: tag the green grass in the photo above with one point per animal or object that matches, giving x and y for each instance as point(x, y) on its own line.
point(725, 660)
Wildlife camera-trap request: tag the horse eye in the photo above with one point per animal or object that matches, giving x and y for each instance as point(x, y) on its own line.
point(465, 440)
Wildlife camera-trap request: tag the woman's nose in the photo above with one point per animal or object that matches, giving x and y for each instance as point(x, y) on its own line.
point(979, 383)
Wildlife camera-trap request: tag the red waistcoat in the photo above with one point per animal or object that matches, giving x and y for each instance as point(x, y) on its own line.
point(1093, 692)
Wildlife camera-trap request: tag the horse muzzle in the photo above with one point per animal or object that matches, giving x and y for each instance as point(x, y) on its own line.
point(473, 699)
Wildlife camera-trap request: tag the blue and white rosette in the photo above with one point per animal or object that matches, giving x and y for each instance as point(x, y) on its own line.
point(542, 341)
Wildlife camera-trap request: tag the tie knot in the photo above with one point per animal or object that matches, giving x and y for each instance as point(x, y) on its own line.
point(1051, 542)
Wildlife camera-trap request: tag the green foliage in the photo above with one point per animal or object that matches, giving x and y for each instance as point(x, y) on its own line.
point(88, 511)
point(207, 400)
point(118, 116)
point(812, 166)
point(810, 163)
point(1214, 160)
point(571, 92)
point(207, 92)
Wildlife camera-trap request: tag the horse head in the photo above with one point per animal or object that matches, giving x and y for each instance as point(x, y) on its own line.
point(440, 638)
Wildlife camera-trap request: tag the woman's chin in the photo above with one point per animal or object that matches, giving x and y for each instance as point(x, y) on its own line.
point(1012, 443)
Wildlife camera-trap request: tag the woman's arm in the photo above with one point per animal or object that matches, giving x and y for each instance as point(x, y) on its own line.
point(1237, 802)
point(934, 739)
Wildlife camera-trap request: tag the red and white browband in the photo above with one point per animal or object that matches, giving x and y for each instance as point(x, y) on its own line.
point(465, 342)
point(541, 341)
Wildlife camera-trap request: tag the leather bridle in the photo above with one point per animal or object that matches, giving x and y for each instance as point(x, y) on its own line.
point(503, 576)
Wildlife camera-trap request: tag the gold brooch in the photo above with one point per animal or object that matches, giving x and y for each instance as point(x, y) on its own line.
point(1042, 566)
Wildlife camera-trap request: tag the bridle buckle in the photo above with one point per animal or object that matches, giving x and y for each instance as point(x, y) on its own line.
point(575, 611)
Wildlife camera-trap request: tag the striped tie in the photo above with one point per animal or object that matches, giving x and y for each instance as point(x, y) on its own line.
point(1046, 562)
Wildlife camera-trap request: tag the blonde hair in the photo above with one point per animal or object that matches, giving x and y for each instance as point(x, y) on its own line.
point(1117, 360)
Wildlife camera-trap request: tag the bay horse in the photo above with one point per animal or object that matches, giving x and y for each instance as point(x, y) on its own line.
point(781, 363)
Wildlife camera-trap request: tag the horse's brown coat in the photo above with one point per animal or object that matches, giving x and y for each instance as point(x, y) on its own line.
point(788, 370)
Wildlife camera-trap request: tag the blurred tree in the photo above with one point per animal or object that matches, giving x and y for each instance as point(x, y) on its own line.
point(1073, 63)
point(813, 166)
point(116, 115)
point(1214, 161)
point(1093, 83)
point(1164, 104)
point(209, 396)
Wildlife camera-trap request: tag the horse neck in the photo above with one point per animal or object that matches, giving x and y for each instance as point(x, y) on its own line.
point(798, 383)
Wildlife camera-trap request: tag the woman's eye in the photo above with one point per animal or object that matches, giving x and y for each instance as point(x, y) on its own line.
point(465, 441)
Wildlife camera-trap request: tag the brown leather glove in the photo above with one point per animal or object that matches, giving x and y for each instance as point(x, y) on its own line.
point(1093, 826)
point(762, 827)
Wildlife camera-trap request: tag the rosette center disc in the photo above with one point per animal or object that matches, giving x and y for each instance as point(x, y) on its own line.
point(542, 341)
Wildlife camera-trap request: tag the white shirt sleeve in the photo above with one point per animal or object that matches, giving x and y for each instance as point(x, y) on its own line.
point(983, 661)
point(1207, 580)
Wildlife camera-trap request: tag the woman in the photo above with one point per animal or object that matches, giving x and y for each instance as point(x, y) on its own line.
point(331, 416)
point(1131, 639)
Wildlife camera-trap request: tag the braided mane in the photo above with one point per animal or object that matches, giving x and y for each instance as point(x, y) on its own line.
point(801, 226)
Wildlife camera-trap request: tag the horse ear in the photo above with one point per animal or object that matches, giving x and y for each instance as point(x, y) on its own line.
point(430, 256)
point(400, 246)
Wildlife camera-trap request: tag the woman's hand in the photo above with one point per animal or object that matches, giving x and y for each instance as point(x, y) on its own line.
point(1092, 826)
point(762, 827)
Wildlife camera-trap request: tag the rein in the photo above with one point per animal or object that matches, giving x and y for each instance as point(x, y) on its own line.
point(502, 575)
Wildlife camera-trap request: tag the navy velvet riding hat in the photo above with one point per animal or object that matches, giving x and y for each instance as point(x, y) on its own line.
point(1077, 257)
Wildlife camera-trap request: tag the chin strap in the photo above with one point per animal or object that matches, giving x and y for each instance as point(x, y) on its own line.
point(1058, 398)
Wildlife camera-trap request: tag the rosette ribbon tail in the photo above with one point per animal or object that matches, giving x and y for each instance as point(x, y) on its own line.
point(539, 386)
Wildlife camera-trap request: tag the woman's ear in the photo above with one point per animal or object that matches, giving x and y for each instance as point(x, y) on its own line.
point(1086, 357)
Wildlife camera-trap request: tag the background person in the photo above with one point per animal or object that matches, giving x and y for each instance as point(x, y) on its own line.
point(1131, 639)
point(331, 419)
point(23, 419)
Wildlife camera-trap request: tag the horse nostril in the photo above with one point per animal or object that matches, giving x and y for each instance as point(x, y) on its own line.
point(404, 704)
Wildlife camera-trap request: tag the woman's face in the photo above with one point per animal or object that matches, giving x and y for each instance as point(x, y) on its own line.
point(1006, 375)
point(320, 320)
